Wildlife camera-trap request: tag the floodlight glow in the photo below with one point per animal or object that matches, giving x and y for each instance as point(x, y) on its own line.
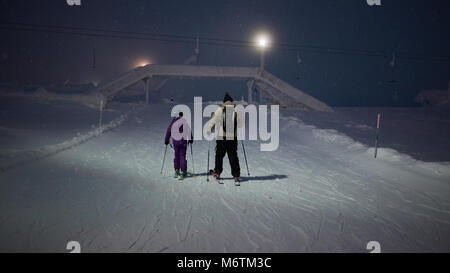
point(262, 42)
point(142, 63)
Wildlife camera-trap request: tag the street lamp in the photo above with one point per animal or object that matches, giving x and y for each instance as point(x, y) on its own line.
point(262, 44)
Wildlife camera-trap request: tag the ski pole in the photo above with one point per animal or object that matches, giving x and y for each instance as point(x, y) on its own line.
point(164, 159)
point(207, 170)
point(193, 167)
point(245, 156)
point(378, 131)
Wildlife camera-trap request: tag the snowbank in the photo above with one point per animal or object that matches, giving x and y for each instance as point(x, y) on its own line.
point(91, 99)
point(404, 160)
point(331, 135)
point(21, 158)
point(386, 155)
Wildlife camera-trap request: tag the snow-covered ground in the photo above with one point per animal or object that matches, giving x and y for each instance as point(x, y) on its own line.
point(421, 132)
point(30, 129)
point(321, 191)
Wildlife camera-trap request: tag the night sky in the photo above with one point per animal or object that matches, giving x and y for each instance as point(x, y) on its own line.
point(356, 74)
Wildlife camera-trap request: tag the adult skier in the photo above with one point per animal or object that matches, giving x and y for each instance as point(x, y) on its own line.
point(180, 143)
point(226, 120)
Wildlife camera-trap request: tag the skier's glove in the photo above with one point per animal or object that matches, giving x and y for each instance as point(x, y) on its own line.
point(191, 141)
point(166, 142)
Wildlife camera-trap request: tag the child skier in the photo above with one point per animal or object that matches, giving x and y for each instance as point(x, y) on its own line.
point(180, 143)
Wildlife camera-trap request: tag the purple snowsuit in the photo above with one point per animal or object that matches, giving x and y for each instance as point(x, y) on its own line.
point(179, 146)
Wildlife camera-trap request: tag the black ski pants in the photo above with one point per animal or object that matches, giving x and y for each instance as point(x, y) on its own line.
point(228, 147)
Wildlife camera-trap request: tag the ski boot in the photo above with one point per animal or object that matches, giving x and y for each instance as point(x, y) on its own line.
point(217, 176)
point(176, 174)
point(237, 181)
point(183, 175)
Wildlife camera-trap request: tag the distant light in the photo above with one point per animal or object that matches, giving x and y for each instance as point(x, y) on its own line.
point(262, 42)
point(142, 63)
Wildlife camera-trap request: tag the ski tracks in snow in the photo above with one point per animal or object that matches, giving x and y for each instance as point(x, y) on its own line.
point(310, 195)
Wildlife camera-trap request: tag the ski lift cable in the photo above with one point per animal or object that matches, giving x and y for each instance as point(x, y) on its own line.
point(174, 39)
point(186, 37)
point(95, 32)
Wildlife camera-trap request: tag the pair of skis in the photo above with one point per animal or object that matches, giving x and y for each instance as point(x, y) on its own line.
point(209, 171)
point(237, 181)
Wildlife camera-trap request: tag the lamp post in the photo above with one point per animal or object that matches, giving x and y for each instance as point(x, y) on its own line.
point(262, 44)
point(262, 59)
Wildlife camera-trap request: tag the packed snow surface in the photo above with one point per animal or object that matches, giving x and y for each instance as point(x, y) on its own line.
point(321, 191)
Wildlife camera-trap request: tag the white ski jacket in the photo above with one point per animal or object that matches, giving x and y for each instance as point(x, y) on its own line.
point(217, 121)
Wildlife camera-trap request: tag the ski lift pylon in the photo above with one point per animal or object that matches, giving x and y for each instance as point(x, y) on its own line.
point(197, 51)
point(299, 61)
point(392, 64)
point(93, 54)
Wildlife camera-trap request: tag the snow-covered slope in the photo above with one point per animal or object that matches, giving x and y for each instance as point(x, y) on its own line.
point(321, 191)
point(31, 128)
point(421, 132)
point(65, 94)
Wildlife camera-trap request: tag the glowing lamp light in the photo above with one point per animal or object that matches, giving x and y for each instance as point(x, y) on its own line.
point(262, 42)
point(142, 63)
